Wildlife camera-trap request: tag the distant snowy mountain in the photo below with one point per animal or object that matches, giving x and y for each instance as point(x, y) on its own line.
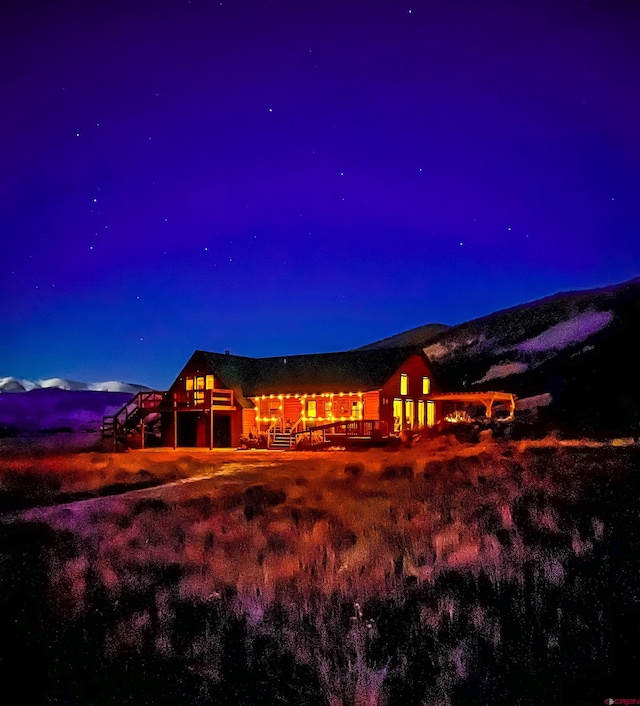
point(12, 384)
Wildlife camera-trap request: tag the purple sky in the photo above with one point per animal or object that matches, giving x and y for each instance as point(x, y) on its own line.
point(277, 177)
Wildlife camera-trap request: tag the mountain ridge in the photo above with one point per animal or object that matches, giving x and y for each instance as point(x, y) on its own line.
point(578, 346)
point(15, 385)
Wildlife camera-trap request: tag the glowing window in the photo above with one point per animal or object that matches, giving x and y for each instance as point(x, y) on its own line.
point(431, 413)
point(312, 409)
point(355, 410)
point(198, 397)
point(188, 383)
point(404, 384)
point(409, 410)
point(327, 408)
point(426, 385)
point(397, 414)
point(200, 383)
point(421, 412)
point(209, 382)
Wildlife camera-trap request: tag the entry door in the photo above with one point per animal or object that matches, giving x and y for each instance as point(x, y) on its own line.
point(222, 430)
point(187, 429)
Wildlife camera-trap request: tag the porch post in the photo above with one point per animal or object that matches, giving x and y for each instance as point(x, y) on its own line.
point(175, 422)
point(211, 420)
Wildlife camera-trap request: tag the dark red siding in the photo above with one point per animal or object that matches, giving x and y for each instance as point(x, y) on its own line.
point(416, 367)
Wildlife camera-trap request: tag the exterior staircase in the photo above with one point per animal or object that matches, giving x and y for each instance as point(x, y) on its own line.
point(282, 440)
point(140, 417)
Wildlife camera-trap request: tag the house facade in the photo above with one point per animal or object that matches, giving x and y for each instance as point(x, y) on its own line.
point(217, 399)
point(220, 400)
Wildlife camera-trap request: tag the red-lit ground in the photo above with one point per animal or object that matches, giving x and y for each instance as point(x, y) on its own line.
point(384, 577)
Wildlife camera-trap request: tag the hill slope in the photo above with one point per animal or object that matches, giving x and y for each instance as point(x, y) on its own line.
point(578, 346)
point(418, 336)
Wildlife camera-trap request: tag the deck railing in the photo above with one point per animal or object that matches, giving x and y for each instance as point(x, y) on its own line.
point(352, 430)
point(201, 399)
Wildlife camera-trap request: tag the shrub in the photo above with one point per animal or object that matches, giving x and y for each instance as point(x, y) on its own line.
point(354, 469)
point(151, 504)
point(257, 498)
point(394, 472)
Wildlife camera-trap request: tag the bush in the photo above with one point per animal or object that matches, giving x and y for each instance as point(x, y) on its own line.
point(354, 469)
point(397, 472)
point(257, 498)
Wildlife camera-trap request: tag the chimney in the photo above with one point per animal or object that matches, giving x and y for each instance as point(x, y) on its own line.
point(226, 352)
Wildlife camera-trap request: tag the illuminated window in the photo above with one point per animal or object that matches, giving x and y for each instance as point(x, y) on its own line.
point(209, 382)
point(327, 408)
point(404, 384)
point(409, 410)
point(343, 408)
point(426, 385)
point(312, 409)
point(397, 414)
point(421, 412)
point(355, 410)
point(431, 413)
point(196, 385)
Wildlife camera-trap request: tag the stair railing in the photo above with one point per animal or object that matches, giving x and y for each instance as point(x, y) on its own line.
point(271, 431)
point(294, 427)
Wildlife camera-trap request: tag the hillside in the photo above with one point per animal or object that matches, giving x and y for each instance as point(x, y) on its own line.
point(578, 346)
point(418, 336)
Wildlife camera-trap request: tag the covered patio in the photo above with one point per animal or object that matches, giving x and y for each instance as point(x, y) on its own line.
point(483, 399)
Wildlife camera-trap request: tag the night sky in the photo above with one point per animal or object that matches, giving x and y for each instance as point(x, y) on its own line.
point(279, 177)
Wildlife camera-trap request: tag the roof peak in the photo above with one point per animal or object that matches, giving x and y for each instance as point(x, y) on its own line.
point(354, 353)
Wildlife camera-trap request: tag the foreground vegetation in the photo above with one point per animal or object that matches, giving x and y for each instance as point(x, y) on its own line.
point(445, 574)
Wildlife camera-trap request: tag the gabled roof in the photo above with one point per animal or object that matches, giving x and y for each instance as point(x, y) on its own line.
point(352, 371)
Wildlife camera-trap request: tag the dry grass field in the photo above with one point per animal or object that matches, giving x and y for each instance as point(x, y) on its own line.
point(446, 573)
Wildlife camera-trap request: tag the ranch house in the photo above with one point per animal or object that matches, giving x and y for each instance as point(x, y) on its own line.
point(219, 399)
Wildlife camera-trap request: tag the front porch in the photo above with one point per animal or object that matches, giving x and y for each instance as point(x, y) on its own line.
point(284, 417)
